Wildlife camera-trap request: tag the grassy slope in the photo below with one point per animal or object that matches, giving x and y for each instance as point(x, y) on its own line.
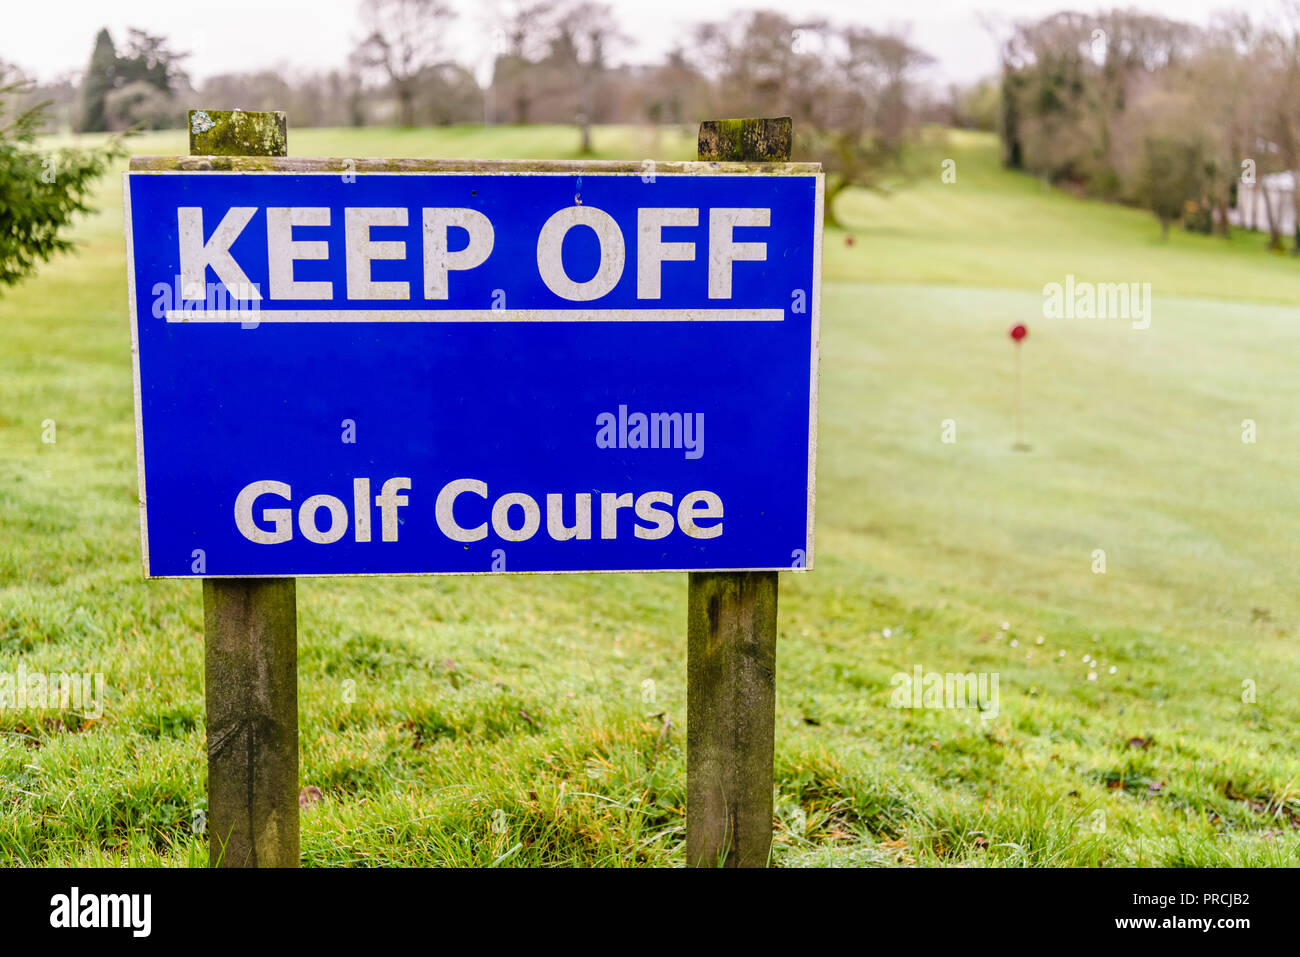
point(521, 700)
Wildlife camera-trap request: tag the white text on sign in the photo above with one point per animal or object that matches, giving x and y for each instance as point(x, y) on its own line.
point(652, 250)
point(513, 517)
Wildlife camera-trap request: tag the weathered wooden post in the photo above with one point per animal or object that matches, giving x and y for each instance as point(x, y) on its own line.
point(250, 646)
point(731, 643)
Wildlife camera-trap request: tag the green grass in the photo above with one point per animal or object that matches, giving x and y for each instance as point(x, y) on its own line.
point(502, 721)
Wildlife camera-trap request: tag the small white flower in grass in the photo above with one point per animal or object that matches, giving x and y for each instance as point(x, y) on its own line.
point(886, 632)
point(1113, 669)
point(1006, 626)
point(1039, 640)
point(1061, 653)
point(1092, 676)
point(1014, 643)
point(1086, 659)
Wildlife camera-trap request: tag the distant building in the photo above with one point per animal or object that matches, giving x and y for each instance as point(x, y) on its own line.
point(1275, 189)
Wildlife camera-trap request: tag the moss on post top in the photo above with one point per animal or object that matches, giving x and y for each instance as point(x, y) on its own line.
point(238, 133)
point(746, 140)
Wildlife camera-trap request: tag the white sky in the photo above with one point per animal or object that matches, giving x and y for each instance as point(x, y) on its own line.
point(50, 37)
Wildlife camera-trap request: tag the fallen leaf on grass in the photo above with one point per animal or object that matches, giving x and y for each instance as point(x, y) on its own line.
point(899, 847)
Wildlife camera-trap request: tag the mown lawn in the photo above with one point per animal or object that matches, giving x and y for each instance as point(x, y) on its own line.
point(507, 721)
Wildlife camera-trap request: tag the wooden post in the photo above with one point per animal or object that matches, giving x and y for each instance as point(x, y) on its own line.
point(731, 644)
point(250, 646)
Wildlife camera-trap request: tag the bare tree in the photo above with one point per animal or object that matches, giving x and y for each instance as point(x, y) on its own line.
point(755, 63)
point(584, 34)
point(526, 27)
point(849, 90)
point(1283, 44)
point(405, 38)
point(867, 115)
point(674, 91)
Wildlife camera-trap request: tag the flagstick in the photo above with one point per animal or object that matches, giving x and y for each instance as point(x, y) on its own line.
point(1020, 427)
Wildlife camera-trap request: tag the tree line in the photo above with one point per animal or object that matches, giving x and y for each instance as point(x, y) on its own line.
point(553, 61)
point(1124, 106)
point(854, 92)
point(1155, 112)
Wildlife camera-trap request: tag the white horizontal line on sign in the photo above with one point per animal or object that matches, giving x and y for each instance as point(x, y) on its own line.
point(474, 315)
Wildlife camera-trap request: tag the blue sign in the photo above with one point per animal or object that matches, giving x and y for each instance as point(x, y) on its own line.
point(474, 371)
